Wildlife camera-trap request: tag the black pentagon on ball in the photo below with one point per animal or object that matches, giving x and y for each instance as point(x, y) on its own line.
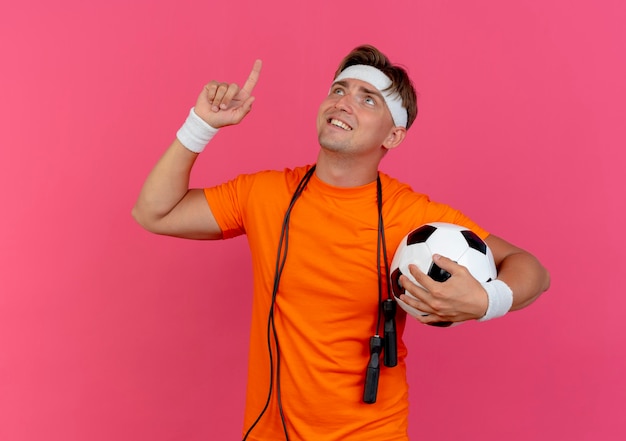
point(420, 235)
point(474, 241)
point(396, 287)
point(440, 324)
point(438, 274)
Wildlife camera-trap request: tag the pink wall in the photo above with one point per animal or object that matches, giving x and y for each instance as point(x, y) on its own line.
point(110, 333)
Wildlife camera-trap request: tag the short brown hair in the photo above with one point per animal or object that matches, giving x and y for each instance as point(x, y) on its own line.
point(400, 81)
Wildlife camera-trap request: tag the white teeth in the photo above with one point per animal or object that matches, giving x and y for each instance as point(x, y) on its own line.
point(336, 122)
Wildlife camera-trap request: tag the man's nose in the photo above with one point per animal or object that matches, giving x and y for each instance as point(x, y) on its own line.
point(345, 102)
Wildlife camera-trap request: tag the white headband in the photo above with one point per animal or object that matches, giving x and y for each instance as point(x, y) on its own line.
point(380, 81)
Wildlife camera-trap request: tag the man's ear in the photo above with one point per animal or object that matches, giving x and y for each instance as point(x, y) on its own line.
point(396, 136)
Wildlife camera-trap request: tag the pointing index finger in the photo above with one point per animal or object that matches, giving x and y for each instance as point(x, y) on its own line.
point(253, 78)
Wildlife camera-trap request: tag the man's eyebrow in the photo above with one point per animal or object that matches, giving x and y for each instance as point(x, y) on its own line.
point(369, 91)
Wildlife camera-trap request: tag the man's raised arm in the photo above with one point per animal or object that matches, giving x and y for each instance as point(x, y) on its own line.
point(166, 205)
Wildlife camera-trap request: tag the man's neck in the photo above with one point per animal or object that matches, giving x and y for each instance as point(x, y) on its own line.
point(342, 171)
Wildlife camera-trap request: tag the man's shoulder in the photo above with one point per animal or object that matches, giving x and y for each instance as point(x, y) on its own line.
point(272, 175)
point(268, 183)
point(395, 188)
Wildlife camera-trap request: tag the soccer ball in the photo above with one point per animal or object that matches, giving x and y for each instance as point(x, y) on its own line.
point(452, 241)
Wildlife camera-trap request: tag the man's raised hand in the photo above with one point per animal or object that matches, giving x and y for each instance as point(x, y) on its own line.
point(224, 104)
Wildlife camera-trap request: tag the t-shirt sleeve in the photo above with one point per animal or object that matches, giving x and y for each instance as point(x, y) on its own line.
point(422, 210)
point(226, 201)
point(444, 213)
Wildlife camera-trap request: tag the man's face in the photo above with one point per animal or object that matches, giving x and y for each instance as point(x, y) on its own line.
point(353, 118)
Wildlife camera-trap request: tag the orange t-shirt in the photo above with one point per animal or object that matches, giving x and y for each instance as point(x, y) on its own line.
point(327, 303)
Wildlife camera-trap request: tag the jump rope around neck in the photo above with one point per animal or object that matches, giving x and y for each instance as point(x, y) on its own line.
point(387, 309)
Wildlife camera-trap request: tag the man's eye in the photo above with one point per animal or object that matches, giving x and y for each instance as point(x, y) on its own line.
point(338, 91)
point(369, 100)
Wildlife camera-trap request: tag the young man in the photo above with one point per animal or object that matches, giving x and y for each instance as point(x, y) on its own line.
point(319, 237)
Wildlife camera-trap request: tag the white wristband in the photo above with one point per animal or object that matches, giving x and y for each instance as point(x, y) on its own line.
point(195, 133)
point(500, 299)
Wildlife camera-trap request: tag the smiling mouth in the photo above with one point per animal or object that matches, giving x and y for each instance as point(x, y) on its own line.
point(340, 124)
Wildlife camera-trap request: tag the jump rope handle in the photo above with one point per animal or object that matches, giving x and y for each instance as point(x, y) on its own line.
point(391, 340)
point(373, 370)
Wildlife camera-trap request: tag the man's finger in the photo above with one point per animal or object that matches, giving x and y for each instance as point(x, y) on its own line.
point(420, 277)
point(253, 78)
point(220, 92)
point(445, 263)
point(231, 92)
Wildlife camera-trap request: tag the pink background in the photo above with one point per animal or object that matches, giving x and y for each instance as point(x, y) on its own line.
point(110, 333)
